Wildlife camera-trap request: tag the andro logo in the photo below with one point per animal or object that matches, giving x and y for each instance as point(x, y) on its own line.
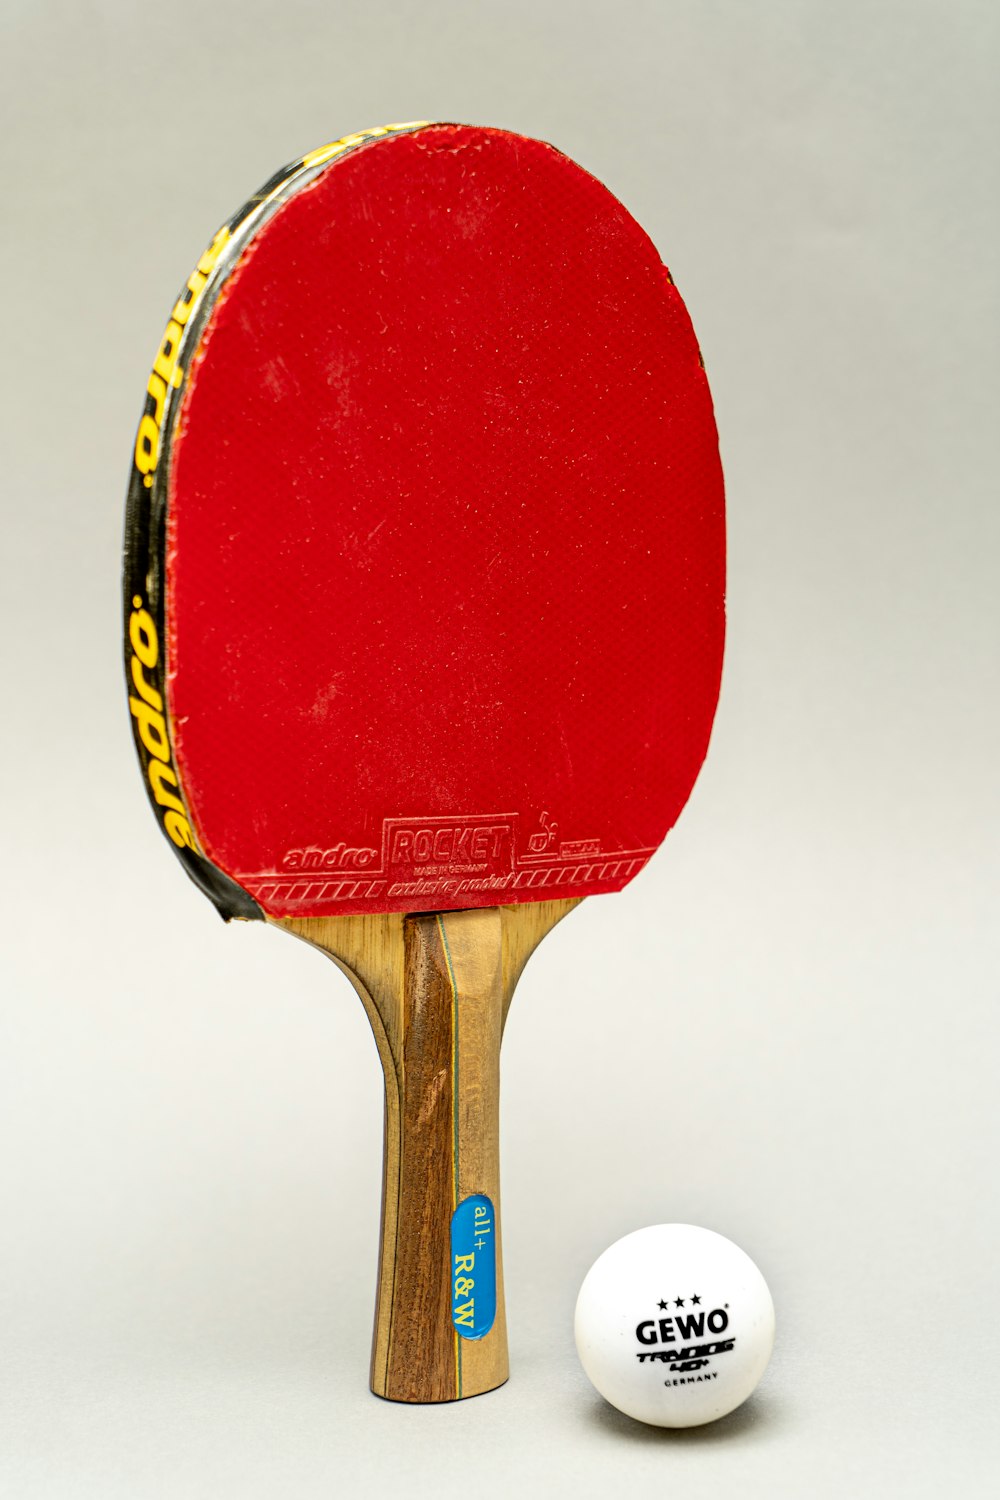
point(151, 726)
point(167, 372)
point(449, 843)
point(339, 857)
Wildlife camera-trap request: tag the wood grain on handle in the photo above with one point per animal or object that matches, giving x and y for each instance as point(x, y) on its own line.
point(436, 988)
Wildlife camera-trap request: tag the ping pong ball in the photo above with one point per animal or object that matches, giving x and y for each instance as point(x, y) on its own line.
point(674, 1325)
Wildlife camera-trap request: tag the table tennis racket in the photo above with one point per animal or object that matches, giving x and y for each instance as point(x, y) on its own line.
point(424, 614)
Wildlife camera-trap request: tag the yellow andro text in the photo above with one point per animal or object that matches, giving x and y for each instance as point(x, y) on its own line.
point(167, 372)
point(146, 706)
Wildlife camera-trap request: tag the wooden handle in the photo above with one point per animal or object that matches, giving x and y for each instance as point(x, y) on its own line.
point(442, 1147)
point(437, 988)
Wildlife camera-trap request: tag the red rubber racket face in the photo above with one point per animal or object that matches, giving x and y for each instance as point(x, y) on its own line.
point(438, 565)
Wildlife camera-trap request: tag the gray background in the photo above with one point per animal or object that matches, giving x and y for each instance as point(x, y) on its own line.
point(784, 1030)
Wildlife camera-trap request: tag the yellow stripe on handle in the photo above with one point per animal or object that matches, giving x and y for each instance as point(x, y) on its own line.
point(455, 1142)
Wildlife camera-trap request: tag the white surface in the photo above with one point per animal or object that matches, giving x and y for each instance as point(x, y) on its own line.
point(674, 1325)
point(786, 1029)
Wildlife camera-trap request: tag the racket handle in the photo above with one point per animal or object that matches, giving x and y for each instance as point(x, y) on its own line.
point(440, 1329)
point(436, 988)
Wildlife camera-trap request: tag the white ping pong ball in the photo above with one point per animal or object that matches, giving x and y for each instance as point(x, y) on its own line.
point(674, 1325)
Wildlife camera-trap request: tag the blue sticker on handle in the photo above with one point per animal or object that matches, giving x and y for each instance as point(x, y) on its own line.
point(473, 1267)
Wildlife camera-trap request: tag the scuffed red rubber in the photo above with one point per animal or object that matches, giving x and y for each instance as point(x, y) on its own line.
point(445, 546)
